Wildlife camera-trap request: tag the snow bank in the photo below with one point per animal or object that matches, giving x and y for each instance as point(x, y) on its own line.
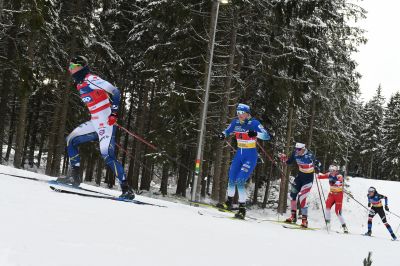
point(46, 228)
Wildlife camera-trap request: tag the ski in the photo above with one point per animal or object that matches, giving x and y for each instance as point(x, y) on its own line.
point(80, 192)
point(221, 216)
point(298, 227)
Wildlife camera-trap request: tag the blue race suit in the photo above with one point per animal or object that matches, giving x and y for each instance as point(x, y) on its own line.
point(303, 182)
point(245, 159)
point(377, 208)
point(95, 93)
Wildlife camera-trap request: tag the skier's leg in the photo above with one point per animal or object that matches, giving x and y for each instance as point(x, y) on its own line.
point(329, 203)
point(83, 133)
point(107, 150)
point(305, 191)
point(233, 173)
point(249, 163)
point(338, 207)
point(382, 214)
point(372, 213)
point(294, 191)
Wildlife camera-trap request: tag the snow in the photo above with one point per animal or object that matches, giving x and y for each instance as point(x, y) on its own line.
point(46, 228)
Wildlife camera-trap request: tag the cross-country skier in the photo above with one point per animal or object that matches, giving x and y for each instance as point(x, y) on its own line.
point(335, 196)
point(302, 183)
point(375, 202)
point(246, 130)
point(102, 99)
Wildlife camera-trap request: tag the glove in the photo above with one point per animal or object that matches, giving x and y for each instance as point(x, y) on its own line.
point(112, 119)
point(369, 204)
point(318, 165)
point(283, 157)
point(252, 133)
point(221, 136)
point(386, 208)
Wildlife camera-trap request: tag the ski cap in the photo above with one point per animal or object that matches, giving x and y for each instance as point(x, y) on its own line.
point(300, 145)
point(333, 168)
point(243, 108)
point(79, 60)
point(372, 189)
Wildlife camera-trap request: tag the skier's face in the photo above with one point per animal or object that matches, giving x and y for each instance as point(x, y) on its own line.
point(242, 115)
point(300, 151)
point(73, 68)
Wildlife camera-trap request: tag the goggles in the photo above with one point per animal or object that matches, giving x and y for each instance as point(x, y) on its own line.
point(240, 112)
point(371, 190)
point(72, 66)
point(299, 149)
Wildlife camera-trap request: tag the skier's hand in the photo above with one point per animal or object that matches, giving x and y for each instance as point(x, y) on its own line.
point(283, 157)
point(221, 136)
point(386, 208)
point(252, 133)
point(369, 204)
point(112, 119)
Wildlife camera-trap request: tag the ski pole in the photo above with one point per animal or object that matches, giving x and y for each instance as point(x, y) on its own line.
point(131, 156)
point(393, 214)
point(153, 147)
point(351, 196)
point(322, 206)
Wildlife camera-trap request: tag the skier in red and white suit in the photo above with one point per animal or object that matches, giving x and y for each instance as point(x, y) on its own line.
point(102, 100)
point(335, 196)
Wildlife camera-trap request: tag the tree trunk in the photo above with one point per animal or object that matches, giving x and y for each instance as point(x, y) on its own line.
point(285, 178)
point(12, 128)
point(60, 136)
point(312, 119)
point(219, 151)
point(164, 179)
point(19, 143)
point(133, 173)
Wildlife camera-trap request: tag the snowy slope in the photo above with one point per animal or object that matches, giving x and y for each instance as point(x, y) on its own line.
point(46, 228)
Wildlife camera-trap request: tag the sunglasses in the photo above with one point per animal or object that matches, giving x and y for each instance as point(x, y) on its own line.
point(240, 112)
point(370, 190)
point(72, 66)
point(299, 149)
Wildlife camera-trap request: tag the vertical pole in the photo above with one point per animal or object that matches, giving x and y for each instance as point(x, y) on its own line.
point(200, 145)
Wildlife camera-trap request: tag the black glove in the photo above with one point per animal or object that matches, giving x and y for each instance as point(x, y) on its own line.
point(221, 136)
point(386, 208)
point(252, 133)
point(369, 204)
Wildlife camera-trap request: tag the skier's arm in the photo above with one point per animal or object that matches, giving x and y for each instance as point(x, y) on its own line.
point(291, 158)
point(109, 88)
point(385, 198)
point(262, 133)
point(229, 130)
point(369, 201)
point(323, 176)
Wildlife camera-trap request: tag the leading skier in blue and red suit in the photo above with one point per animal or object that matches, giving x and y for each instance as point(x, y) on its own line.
point(246, 130)
point(102, 100)
point(303, 182)
point(375, 202)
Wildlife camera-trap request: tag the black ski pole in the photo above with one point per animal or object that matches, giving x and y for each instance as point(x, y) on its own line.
point(322, 205)
point(393, 214)
point(351, 196)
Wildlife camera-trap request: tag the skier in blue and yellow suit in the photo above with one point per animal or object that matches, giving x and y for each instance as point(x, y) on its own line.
point(246, 130)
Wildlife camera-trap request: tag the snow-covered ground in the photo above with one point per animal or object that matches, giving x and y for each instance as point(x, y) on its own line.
point(44, 228)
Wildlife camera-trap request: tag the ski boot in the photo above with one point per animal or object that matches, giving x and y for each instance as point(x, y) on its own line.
point(394, 237)
point(227, 205)
point(345, 230)
point(73, 178)
point(292, 219)
point(241, 214)
point(368, 233)
point(304, 221)
point(127, 192)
